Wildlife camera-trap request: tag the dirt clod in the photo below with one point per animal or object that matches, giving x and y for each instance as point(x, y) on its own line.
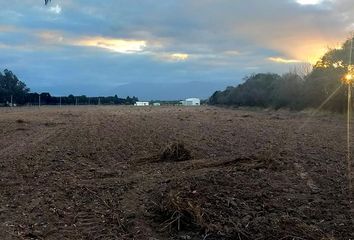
point(20, 121)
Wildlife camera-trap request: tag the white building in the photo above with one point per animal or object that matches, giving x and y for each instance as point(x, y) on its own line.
point(156, 104)
point(141, 104)
point(191, 102)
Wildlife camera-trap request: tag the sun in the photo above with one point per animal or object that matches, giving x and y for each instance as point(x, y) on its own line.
point(348, 78)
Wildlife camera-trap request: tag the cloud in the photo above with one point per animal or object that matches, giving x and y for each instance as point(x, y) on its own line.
point(232, 53)
point(180, 56)
point(5, 28)
point(114, 45)
point(309, 2)
point(172, 57)
point(283, 60)
point(56, 9)
point(124, 46)
point(50, 37)
point(92, 42)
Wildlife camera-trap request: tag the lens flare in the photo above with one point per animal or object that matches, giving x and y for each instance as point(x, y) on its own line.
point(348, 78)
point(349, 153)
point(313, 113)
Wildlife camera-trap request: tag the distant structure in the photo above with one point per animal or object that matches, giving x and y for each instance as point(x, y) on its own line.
point(156, 104)
point(141, 104)
point(191, 102)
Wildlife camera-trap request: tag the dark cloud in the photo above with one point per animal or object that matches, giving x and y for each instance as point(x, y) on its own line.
point(82, 46)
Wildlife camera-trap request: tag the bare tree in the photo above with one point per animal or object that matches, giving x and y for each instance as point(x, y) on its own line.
point(46, 1)
point(301, 70)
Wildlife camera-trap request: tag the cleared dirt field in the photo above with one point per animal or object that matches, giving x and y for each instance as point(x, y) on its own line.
point(97, 173)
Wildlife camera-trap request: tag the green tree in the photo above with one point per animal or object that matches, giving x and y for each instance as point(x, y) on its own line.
point(325, 79)
point(10, 85)
point(294, 90)
point(288, 93)
point(257, 90)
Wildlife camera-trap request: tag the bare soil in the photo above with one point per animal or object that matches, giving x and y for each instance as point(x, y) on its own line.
point(172, 173)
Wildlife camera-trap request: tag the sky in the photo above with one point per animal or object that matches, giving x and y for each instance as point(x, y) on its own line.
point(163, 49)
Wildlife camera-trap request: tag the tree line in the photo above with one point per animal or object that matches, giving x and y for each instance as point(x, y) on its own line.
point(14, 91)
point(299, 89)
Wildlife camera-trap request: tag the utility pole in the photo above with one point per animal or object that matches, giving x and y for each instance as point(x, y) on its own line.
point(12, 104)
point(99, 101)
point(39, 100)
point(76, 101)
point(60, 101)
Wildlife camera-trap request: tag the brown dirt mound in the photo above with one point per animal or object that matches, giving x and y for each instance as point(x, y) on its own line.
point(176, 152)
point(20, 121)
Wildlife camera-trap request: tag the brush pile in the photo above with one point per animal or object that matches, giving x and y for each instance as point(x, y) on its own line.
point(175, 152)
point(227, 205)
